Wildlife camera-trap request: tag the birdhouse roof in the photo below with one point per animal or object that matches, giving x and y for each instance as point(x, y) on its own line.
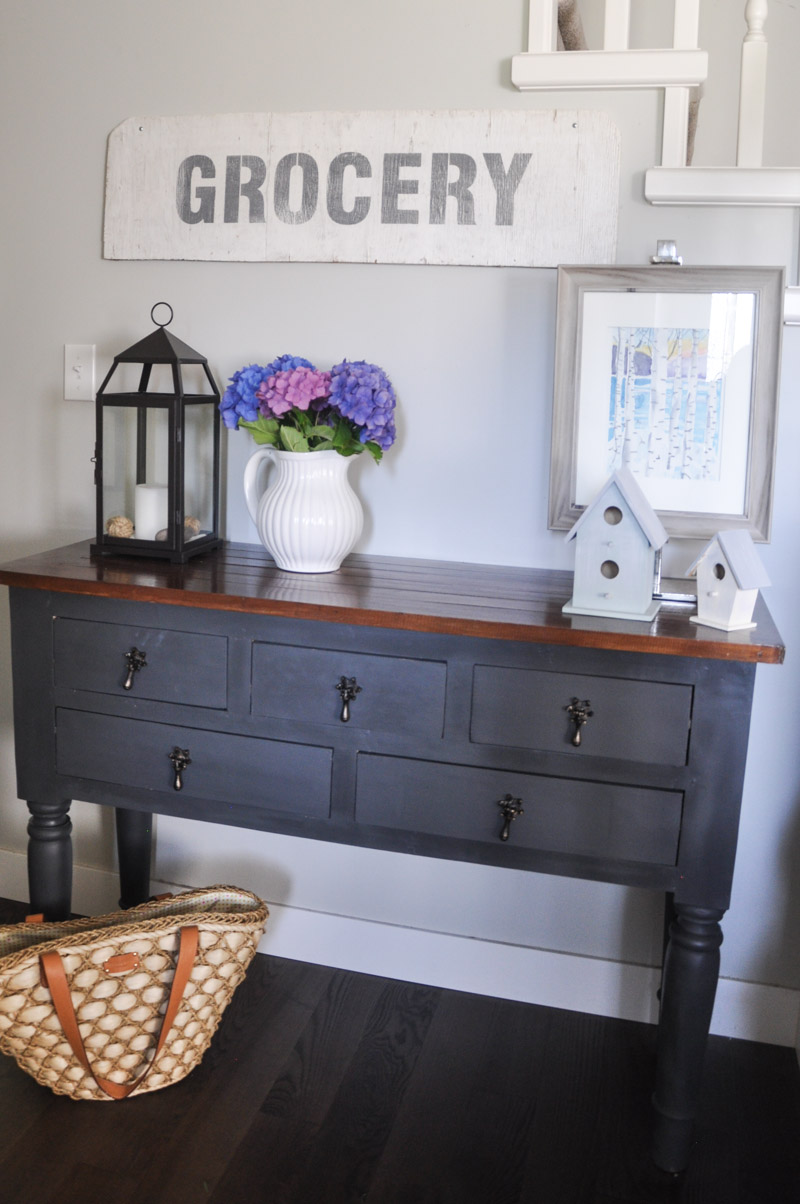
point(636, 502)
point(742, 558)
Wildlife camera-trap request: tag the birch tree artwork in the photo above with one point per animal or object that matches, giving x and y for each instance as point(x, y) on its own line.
point(666, 402)
point(662, 373)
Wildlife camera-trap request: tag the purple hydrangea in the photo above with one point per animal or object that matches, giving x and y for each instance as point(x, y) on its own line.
point(363, 393)
point(240, 400)
point(299, 387)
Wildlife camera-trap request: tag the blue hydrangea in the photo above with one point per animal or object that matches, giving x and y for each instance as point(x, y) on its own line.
point(285, 363)
point(239, 401)
point(363, 393)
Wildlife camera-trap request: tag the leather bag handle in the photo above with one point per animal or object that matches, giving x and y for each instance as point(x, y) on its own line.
point(53, 969)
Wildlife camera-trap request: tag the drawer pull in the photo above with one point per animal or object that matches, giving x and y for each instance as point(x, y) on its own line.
point(579, 713)
point(180, 759)
point(348, 687)
point(510, 808)
point(135, 661)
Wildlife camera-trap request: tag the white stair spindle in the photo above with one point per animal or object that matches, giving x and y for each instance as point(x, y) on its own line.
point(675, 131)
point(542, 26)
point(616, 32)
point(752, 87)
point(686, 27)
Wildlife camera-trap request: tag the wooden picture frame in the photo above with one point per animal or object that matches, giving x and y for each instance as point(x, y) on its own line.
point(697, 352)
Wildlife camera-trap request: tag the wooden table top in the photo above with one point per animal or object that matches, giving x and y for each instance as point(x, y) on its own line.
point(490, 601)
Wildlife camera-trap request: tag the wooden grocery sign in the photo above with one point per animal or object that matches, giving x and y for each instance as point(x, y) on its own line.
point(532, 188)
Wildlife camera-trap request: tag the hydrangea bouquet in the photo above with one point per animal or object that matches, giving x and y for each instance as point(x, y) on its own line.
point(293, 406)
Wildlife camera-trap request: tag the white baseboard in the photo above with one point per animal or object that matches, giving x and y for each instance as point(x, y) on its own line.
point(749, 1010)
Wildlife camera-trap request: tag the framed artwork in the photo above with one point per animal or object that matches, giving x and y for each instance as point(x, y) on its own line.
point(672, 372)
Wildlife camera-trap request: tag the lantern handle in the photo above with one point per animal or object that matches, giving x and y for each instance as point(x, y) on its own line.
point(155, 307)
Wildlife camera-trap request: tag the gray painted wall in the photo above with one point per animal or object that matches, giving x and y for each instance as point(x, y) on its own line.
point(470, 351)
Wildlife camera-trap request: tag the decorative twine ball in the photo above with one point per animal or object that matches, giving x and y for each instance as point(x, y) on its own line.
point(119, 526)
point(191, 527)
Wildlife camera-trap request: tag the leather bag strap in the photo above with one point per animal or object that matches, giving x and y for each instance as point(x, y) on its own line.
point(53, 969)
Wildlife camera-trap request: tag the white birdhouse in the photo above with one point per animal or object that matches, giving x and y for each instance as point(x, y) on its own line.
point(729, 575)
point(617, 541)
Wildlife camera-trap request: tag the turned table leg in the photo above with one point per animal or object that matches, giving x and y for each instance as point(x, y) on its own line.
point(50, 858)
point(134, 844)
point(691, 970)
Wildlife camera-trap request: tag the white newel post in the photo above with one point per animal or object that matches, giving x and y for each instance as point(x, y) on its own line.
point(752, 86)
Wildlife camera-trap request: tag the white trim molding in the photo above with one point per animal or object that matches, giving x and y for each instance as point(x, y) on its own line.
point(749, 1010)
point(608, 69)
point(723, 186)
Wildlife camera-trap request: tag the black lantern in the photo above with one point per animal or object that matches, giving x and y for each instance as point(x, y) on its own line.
point(157, 453)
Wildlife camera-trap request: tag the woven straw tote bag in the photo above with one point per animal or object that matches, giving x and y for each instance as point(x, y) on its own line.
point(116, 1005)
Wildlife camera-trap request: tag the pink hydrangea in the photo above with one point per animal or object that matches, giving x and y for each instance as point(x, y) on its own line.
point(298, 387)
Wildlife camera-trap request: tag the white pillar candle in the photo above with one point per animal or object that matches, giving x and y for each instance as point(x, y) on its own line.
point(150, 511)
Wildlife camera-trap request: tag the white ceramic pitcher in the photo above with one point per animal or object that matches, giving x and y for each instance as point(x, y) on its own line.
point(308, 518)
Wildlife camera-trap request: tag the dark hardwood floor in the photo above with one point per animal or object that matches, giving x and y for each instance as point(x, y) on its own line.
point(328, 1087)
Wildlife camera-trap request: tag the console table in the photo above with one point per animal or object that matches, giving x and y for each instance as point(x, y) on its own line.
point(442, 709)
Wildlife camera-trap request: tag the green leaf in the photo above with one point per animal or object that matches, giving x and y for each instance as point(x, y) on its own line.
point(263, 430)
point(301, 421)
point(343, 435)
point(375, 450)
point(292, 440)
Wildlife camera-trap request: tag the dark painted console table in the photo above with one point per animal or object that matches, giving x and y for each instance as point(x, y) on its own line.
point(442, 709)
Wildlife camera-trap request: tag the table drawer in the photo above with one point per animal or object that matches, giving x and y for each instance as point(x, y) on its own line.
point(394, 693)
point(631, 720)
point(273, 774)
point(593, 819)
point(181, 666)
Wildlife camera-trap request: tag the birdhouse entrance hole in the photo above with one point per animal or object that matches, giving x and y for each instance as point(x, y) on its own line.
point(612, 515)
point(719, 571)
point(609, 568)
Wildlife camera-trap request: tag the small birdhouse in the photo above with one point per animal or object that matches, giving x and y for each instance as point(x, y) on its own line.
point(729, 575)
point(618, 542)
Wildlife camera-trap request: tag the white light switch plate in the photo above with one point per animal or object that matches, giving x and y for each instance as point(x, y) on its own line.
point(79, 371)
